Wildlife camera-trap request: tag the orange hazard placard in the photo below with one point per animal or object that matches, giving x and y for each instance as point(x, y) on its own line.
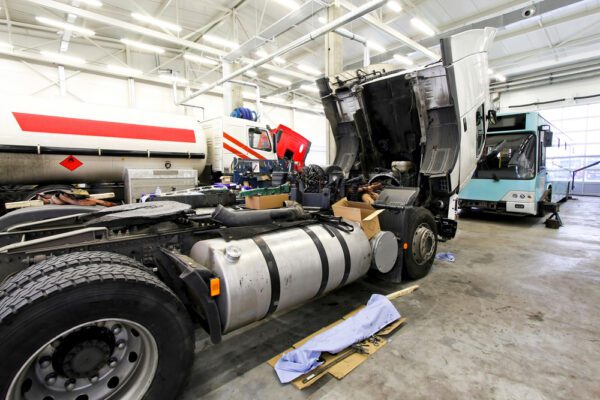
point(71, 163)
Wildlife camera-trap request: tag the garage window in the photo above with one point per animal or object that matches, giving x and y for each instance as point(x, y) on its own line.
point(582, 125)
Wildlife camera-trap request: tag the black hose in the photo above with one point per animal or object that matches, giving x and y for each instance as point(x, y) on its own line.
point(228, 217)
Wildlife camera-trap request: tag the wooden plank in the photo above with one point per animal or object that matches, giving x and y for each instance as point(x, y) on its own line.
point(402, 292)
point(23, 204)
point(101, 196)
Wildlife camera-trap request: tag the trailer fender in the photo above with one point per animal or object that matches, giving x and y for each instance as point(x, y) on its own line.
point(191, 282)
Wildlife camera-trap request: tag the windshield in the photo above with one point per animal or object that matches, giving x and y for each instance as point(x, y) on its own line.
point(509, 156)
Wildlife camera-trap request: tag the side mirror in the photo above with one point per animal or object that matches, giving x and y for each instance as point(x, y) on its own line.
point(548, 135)
point(491, 117)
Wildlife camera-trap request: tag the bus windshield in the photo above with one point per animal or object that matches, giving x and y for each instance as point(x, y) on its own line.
point(507, 156)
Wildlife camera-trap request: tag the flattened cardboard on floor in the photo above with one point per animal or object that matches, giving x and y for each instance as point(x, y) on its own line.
point(347, 365)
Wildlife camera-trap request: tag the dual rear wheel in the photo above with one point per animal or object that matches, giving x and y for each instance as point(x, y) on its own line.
point(92, 326)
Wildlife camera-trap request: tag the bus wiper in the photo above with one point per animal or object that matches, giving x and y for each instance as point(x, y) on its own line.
point(495, 177)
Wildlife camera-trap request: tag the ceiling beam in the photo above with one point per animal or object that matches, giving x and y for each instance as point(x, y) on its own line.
point(126, 26)
point(393, 32)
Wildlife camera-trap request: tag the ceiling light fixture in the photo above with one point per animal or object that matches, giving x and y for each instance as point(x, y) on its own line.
point(176, 79)
point(220, 41)
point(291, 4)
point(280, 81)
point(62, 57)
point(279, 60)
point(308, 69)
point(500, 77)
point(309, 88)
point(261, 53)
point(123, 70)
point(403, 59)
point(65, 26)
point(200, 59)
point(251, 73)
point(143, 46)
point(422, 26)
point(394, 6)
point(93, 3)
point(322, 20)
point(6, 46)
point(375, 46)
point(300, 103)
point(156, 22)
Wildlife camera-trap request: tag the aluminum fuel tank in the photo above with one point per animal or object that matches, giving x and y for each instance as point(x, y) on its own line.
point(280, 270)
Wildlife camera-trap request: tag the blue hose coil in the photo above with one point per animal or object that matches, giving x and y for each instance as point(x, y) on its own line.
point(244, 113)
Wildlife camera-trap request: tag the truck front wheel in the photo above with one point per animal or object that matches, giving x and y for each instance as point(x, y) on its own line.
point(421, 244)
point(93, 332)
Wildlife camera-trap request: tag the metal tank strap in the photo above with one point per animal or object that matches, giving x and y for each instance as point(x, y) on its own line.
point(345, 250)
point(273, 273)
point(322, 256)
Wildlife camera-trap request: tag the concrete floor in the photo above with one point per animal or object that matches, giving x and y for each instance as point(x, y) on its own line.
point(517, 316)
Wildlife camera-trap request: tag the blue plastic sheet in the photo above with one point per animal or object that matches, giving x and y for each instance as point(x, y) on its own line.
point(378, 313)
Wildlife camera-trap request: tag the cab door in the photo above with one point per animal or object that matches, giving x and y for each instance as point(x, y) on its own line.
point(465, 57)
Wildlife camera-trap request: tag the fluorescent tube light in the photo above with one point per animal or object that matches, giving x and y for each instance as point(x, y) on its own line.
point(309, 88)
point(143, 46)
point(280, 81)
point(200, 59)
point(394, 6)
point(62, 57)
point(308, 69)
point(403, 59)
point(93, 3)
point(123, 70)
point(291, 4)
point(375, 46)
point(422, 26)
point(65, 26)
point(220, 41)
point(261, 53)
point(156, 22)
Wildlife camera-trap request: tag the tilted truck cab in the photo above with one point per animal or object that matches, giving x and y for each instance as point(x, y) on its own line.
point(102, 305)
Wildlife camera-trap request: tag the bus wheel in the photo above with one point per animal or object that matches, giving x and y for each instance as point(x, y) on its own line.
point(95, 332)
point(422, 240)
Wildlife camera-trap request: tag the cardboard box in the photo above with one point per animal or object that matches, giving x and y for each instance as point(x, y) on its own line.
point(266, 202)
point(363, 213)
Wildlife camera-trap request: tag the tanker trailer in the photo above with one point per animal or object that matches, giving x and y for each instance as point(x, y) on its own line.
point(54, 141)
point(102, 305)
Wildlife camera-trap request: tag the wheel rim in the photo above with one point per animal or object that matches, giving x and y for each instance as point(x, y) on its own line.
point(423, 244)
point(102, 359)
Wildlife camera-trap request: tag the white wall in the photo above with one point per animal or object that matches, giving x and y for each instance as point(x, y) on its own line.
point(567, 90)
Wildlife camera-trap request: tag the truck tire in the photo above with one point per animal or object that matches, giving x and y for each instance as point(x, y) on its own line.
point(97, 332)
point(422, 244)
point(65, 261)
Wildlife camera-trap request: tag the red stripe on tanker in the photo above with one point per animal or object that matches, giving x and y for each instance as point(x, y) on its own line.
point(87, 127)
point(242, 146)
point(235, 151)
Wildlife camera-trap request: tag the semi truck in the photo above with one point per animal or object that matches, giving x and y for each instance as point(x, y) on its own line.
point(104, 304)
point(53, 144)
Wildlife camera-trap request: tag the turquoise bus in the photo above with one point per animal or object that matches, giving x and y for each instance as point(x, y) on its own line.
point(515, 173)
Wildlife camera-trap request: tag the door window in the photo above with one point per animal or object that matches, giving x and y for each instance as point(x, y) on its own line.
point(259, 139)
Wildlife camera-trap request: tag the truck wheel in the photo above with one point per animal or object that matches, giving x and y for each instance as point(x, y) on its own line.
point(94, 332)
point(422, 244)
point(59, 263)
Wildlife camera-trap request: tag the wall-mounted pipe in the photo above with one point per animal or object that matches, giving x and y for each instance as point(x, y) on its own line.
point(352, 15)
point(357, 38)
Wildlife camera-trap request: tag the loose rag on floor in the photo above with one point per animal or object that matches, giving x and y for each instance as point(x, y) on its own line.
point(378, 313)
point(445, 257)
